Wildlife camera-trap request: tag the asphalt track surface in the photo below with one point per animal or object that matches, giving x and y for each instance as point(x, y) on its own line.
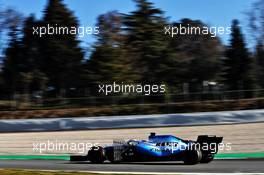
point(217, 166)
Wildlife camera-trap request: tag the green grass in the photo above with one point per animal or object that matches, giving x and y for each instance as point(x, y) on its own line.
point(34, 157)
point(240, 155)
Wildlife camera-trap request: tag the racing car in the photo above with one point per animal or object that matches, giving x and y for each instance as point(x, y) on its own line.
point(156, 148)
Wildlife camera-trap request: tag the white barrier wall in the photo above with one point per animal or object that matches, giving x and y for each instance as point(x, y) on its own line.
point(132, 121)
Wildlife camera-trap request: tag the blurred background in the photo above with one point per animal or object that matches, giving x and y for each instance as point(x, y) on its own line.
point(58, 75)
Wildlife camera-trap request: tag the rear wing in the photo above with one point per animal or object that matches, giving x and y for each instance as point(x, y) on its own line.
point(209, 143)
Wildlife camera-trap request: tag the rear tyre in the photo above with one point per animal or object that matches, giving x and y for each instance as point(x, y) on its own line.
point(192, 157)
point(206, 158)
point(96, 154)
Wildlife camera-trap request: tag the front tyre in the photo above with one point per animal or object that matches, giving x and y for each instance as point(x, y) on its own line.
point(96, 154)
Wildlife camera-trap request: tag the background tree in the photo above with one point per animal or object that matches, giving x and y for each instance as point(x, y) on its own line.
point(35, 79)
point(256, 25)
point(256, 21)
point(192, 58)
point(61, 55)
point(109, 61)
point(10, 24)
point(12, 61)
point(8, 18)
point(238, 64)
point(145, 40)
point(260, 64)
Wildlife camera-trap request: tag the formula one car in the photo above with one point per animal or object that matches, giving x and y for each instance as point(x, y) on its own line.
point(157, 148)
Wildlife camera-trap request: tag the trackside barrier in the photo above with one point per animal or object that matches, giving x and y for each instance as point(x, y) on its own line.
point(132, 121)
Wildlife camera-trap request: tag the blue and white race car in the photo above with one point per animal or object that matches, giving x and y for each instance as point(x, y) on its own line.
point(156, 148)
